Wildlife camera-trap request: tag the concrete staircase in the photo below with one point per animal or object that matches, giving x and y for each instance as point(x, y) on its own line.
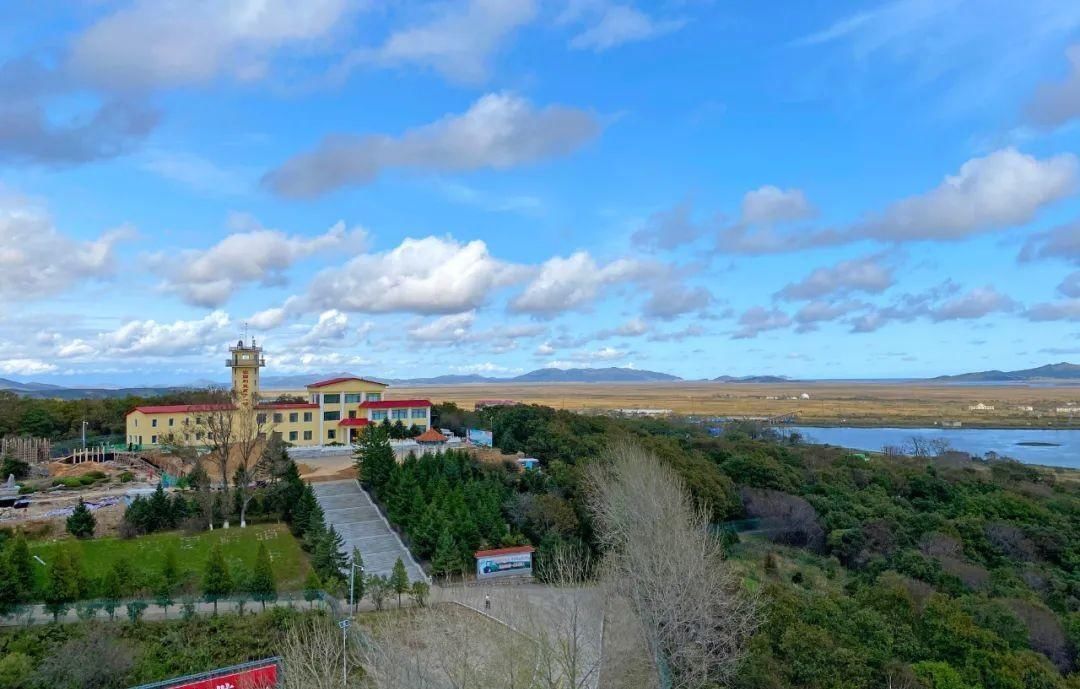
point(349, 509)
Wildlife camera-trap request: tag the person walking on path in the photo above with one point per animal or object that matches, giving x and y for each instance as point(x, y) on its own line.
point(487, 602)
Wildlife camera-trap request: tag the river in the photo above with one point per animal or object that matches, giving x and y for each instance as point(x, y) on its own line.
point(1059, 448)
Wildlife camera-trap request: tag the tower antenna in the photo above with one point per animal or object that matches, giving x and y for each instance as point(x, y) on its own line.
point(245, 332)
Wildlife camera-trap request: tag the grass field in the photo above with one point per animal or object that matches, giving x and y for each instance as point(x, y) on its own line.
point(831, 402)
point(146, 553)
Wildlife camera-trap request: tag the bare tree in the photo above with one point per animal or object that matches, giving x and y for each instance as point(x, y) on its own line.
point(313, 655)
point(254, 456)
point(695, 617)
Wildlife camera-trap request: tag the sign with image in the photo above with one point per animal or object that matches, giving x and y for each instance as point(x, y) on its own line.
point(479, 437)
point(504, 562)
point(257, 675)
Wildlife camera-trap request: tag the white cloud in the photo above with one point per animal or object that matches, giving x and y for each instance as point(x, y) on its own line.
point(671, 298)
point(545, 349)
point(866, 274)
point(37, 261)
point(459, 43)
point(486, 368)
point(1062, 242)
point(1070, 286)
point(25, 367)
point(196, 172)
point(1057, 103)
point(669, 229)
point(162, 43)
point(768, 205)
point(815, 312)
point(614, 24)
point(432, 275)
point(758, 319)
point(449, 328)
point(315, 362)
point(1003, 189)
point(332, 326)
point(251, 255)
point(564, 284)
point(979, 302)
point(1064, 310)
point(141, 338)
point(499, 131)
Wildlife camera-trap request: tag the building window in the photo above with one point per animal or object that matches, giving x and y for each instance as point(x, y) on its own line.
point(352, 413)
point(278, 418)
point(354, 398)
point(293, 417)
point(331, 434)
point(153, 423)
point(136, 424)
point(171, 421)
point(331, 399)
point(307, 417)
point(307, 435)
point(374, 397)
point(153, 440)
point(331, 415)
point(419, 413)
point(292, 435)
point(260, 419)
point(198, 435)
point(399, 413)
point(198, 420)
point(378, 414)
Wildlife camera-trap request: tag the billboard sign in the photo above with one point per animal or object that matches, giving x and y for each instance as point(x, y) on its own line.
point(258, 675)
point(506, 562)
point(479, 437)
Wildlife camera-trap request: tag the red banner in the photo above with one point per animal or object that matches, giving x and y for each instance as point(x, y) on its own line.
point(263, 677)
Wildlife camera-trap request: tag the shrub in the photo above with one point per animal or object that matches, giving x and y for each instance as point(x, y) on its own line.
point(127, 477)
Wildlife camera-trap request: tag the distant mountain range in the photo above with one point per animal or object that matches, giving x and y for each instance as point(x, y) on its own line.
point(1048, 373)
point(1051, 373)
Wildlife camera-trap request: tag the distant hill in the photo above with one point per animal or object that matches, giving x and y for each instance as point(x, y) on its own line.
point(752, 379)
point(46, 391)
point(444, 380)
point(592, 375)
point(1050, 372)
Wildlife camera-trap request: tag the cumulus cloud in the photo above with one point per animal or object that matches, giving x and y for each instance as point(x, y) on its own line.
point(450, 328)
point(1062, 242)
point(1064, 310)
point(161, 43)
point(566, 283)
point(866, 274)
point(977, 303)
point(671, 298)
point(758, 319)
point(331, 326)
point(1003, 189)
point(432, 275)
point(610, 24)
point(499, 131)
point(815, 312)
point(1070, 286)
point(139, 338)
point(669, 229)
point(25, 367)
point(1056, 103)
point(307, 362)
point(37, 261)
point(769, 205)
point(458, 43)
point(692, 330)
point(250, 255)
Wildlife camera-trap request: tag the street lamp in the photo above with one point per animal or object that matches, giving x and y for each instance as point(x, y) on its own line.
point(352, 583)
point(344, 624)
point(84, 424)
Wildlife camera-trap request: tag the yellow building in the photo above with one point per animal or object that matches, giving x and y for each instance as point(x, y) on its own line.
point(335, 413)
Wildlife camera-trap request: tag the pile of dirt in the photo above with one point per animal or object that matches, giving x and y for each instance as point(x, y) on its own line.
point(62, 470)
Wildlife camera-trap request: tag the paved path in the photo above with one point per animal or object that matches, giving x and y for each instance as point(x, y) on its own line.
point(349, 509)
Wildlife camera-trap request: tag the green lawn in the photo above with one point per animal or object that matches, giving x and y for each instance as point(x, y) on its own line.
point(146, 553)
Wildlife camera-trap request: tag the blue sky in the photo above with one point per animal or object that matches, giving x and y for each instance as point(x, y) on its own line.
point(812, 189)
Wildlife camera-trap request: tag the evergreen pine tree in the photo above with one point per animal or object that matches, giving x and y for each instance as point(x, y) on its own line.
point(312, 587)
point(447, 558)
point(81, 523)
point(125, 574)
point(111, 591)
point(375, 458)
point(9, 587)
point(302, 510)
point(159, 513)
point(263, 588)
point(356, 565)
point(61, 585)
point(22, 568)
point(216, 581)
point(399, 580)
point(170, 570)
point(419, 592)
point(328, 558)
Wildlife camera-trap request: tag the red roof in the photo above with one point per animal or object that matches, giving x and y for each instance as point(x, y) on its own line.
point(430, 436)
point(505, 551)
point(287, 405)
point(395, 404)
point(353, 422)
point(332, 381)
point(181, 408)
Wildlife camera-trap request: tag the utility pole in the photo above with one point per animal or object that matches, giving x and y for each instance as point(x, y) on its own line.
point(344, 624)
point(84, 423)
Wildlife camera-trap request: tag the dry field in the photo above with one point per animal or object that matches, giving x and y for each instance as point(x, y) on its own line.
point(831, 402)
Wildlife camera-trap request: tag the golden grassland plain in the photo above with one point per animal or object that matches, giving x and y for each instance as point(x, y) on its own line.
point(829, 403)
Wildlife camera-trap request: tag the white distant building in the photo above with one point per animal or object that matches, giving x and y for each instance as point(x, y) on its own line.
point(1068, 410)
point(804, 396)
point(1025, 407)
point(981, 407)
